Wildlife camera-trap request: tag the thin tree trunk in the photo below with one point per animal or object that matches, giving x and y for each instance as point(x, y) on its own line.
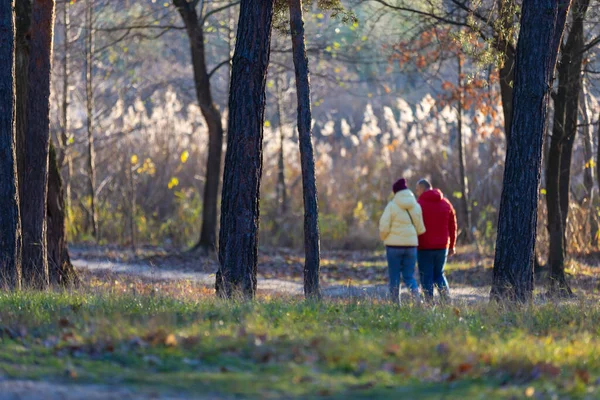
point(132, 200)
point(588, 177)
point(307, 158)
point(65, 155)
point(281, 187)
point(89, 94)
point(464, 185)
point(588, 141)
point(10, 222)
point(542, 25)
point(61, 270)
point(506, 72)
point(238, 238)
point(566, 117)
point(22, 22)
point(37, 139)
point(212, 115)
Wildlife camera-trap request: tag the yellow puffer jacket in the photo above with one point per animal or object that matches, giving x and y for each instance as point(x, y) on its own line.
point(402, 221)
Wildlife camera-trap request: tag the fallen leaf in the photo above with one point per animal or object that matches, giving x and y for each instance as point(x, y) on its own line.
point(530, 391)
point(64, 322)
point(71, 373)
point(392, 349)
point(464, 368)
point(583, 375)
point(170, 340)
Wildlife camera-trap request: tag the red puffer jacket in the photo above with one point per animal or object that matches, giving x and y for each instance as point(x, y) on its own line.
point(440, 222)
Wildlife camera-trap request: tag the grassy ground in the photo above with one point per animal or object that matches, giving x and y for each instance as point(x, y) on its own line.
point(178, 338)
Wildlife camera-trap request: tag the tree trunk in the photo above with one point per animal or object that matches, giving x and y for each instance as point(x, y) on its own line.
point(542, 25)
point(507, 77)
point(588, 177)
point(10, 223)
point(22, 22)
point(213, 120)
point(307, 158)
point(238, 238)
point(37, 138)
point(566, 116)
point(588, 140)
point(65, 154)
point(132, 200)
point(281, 186)
point(506, 72)
point(60, 268)
point(89, 95)
point(464, 185)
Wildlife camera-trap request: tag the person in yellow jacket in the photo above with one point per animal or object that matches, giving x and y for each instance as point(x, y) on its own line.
point(399, 228)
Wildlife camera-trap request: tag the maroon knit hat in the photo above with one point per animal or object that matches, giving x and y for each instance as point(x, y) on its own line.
point(399, 185)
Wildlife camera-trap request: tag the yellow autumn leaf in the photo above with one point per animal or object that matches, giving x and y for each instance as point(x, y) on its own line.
point(134, 159)
point(184, 156)
point(267, 124)
point(173, 182)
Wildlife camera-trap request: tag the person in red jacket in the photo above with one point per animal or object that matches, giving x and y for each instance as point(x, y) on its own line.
point(439, 240)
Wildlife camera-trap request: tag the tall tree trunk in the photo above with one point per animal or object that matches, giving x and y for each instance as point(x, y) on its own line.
point(542, 25)
point(588, 177)
point(307, 158)
point(37, 139)
point(566, 116)
point(65, 153)
point(22, 22)
point(464, 185)
point(281, 186)
point(10, 222)
point(212, 116)
point(61, 270)
point(132, 200)
point(238, 238)
point(89, 95)
point(588, 140)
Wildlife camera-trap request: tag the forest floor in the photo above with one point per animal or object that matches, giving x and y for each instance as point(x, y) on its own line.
point(129, 335)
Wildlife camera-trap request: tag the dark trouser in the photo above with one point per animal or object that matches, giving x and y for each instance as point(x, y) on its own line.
point(431, 272)
point(401, 263)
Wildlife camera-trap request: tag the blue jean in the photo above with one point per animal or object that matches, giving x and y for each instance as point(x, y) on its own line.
point(431, 271)
point(401, 263)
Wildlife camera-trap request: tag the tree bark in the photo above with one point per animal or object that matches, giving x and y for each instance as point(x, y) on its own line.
point(65, 152)
point(89, 95)
point(238, 238)
point(212, 115)
point(464, 185)
point(37, 138)
point(542, 25)
point(588, 140)
point(566, 116)
point(10, 222)
point(282, 197)
point(61, 270)
point(307, 158)
point(23, 36)
point(506, 72)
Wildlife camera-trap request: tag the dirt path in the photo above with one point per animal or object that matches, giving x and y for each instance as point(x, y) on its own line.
point(459, 293)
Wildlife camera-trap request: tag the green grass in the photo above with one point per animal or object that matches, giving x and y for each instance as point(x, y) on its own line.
point(282, 348)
